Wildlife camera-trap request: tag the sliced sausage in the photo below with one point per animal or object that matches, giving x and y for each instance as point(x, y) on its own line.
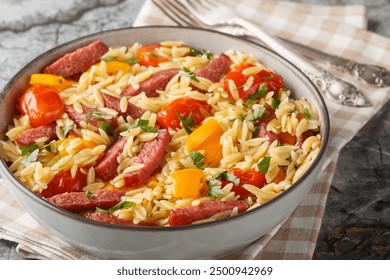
point(78, 201)
point(215, 69)
point(114, 103)
point(77, 61)
point(108, 218)
point(106, 167)
point(157, 81)
point(29, 136)
point(94, 120)
point(189, 214)
point(150, 156)
point(111, 219)
point(262, 123)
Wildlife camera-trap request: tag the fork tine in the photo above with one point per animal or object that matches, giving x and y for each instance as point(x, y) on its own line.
point(171, 12)
point(195, 6)
point(208, 4)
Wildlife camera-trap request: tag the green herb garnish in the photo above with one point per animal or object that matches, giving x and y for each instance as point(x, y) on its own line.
point(257, 114)
point(95, 115)
point(28, 149)
point(143, 124)
point(214, 191)
point(270, 77)
point(109, 58)
point(131, 60)
point(198, 159)
point(31, 158)
point(186, 123)
point(263, 165)
point(261, 92)
point(121, 205)
point(306, 113)
point(195, 52)
point(87, 116)
point(67, 129)
point(191, 74)
point(89, 195)
point(275, 103)
point(107, 128)
point(226, 176)
point(152, 54)
point(51, 147)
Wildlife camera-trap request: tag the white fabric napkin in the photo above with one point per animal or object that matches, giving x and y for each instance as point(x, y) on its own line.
point(338, 30)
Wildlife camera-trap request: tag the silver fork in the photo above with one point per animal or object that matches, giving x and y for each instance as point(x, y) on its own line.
point(372, 75)
point(205, 12)
point(181, 16)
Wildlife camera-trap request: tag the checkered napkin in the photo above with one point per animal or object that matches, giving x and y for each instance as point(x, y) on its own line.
point(338, 30)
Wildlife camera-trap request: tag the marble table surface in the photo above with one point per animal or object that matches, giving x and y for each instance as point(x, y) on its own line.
point(356, 223)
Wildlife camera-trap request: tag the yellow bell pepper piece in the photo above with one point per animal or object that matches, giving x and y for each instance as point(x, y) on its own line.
point(206, 137)
point(84, 144)
point(116, 66)
point(188, 183)
point(52, 81)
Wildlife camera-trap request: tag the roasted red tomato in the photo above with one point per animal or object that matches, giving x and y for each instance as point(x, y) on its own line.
point(43, 105)
point(252, 177)
point(167, 117)
point(148, 56)
point(63, 182)
point(273, 81)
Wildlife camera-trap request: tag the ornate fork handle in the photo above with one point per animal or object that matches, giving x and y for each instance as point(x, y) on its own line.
point(342, 92)
point(371, 74)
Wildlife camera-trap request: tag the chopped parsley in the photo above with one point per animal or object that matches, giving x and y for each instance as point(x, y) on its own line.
point(261, 92)
point(191, 74)
point(275, 103)
point(152, 54)
point(51, 147)
point(214, 187)
point(121, 205)
point(131, 60)
point(143, 124)
point(28, 149)
point(67, 129)
point(214, 191)
point(31, 158)
point(263, 165)
point(109, 58)
point(89, 195)
point(270, 77)
point(107, 128)
point(198, 159)
point(97, 116)
point(306, 113)
point(226, 176)
point(257, 114)
point(242, 117)
point(195, 52)
point(186, 123)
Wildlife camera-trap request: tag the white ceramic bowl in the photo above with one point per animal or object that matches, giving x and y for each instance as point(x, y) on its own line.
point(201, 241)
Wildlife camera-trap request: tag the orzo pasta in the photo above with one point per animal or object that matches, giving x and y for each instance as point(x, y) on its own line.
point(160, 134)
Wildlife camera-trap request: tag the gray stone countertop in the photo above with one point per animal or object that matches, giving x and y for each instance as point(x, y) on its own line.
point(356, 223)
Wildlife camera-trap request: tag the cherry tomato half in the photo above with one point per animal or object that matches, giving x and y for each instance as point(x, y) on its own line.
point(43, 105)
point(167, 117)
point(148, 56)
point(273, 81)
point(63, 182)
point(252, 177)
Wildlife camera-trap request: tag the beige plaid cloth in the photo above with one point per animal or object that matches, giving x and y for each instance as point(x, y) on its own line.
point(338, 30)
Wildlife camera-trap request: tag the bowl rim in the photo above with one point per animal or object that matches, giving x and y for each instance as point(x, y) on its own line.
point(325, 124)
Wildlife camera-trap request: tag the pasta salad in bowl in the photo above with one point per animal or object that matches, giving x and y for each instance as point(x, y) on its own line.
point(153, 137)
